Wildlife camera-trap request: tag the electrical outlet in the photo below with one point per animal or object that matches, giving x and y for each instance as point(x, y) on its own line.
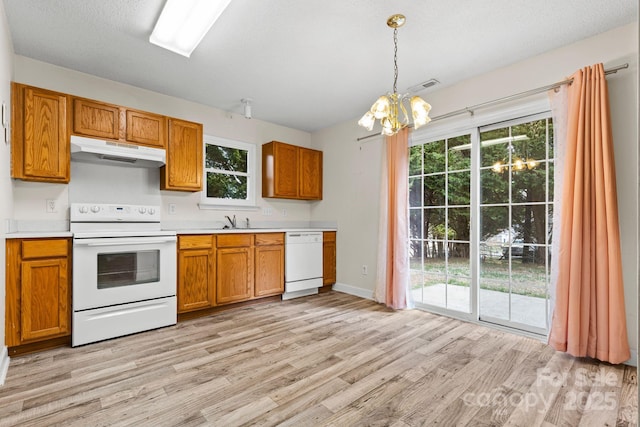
point(267, 212)
point(365, 269)
point(52, 207)
point(172, 208)
point(284, 212)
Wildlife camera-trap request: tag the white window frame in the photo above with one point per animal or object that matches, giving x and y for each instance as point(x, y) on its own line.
point(219, 203)
point(473, 123)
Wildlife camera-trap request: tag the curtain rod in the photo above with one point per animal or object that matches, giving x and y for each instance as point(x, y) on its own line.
point(506, 99)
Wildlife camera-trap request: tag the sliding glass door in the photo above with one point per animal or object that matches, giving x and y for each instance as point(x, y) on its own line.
point(480, 248)
point(516, 208)
point(439, 217)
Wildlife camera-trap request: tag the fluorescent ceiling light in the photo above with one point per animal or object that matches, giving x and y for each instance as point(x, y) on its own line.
point(183, 23)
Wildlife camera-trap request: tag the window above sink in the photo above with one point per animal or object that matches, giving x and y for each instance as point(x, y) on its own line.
point(229, 173)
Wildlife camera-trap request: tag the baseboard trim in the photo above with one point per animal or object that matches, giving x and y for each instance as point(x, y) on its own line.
point(353, 290)
point(4, 364)
point(633, 360)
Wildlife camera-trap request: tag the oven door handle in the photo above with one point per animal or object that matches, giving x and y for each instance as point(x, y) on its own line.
point(120, 242)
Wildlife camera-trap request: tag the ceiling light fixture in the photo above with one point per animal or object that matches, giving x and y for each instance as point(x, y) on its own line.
point(247, 107)
point(390, 108)
point(183, 24)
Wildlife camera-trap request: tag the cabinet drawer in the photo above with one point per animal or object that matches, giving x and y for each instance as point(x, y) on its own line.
point(195, 242)
point(44, 248)
point(269, 239)
point(233, 240)
point(329, 236)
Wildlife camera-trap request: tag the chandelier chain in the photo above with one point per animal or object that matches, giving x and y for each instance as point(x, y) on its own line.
point(395, 60)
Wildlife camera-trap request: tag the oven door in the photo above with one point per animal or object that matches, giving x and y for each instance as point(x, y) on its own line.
point(117, 270)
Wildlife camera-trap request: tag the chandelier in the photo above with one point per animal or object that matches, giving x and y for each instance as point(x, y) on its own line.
point(390, 108)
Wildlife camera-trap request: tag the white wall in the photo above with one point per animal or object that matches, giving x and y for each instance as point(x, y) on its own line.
point(6, 192)
point(352, 169)
point(29, 197)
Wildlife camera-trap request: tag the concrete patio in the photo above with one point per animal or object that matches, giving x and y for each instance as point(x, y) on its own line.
point(525, 309)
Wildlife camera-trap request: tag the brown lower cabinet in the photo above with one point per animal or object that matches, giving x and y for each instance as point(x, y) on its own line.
point(215, 270)
point(234, 262)
point(269, 263)
point(196, 272)
point(329, 258)
point(38, 290)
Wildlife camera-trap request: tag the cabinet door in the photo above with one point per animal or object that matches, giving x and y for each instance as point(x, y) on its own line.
point(183, 170)
point(310, 171)
point(329, 258)
point(234, 275)
point(269, 270)
point(44, 299)
point(285, 170)
point(97, 119)
point(146, 128)
point(40, 149)
point(196, 281)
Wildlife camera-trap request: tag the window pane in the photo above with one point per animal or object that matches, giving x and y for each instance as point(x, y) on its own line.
point(226, 158)
point(459, 224)
point(434, 157)
point(459, 188)
point(529, 185)
point(415, 191)
point(529, 223)
point(434, 223)
point(434, 291)
point(415, 223)
point(493, 148)
point(494, 224)
point(223, 186)
point(415, 160)
point(530, 140)
point(434, 190)
point(494, 186)
point(550, 171)
point(460, 153)
point(415, 253)
point(459, 259)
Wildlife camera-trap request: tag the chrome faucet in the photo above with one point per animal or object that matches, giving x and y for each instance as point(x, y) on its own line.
point(231, 221)
point(247, 220)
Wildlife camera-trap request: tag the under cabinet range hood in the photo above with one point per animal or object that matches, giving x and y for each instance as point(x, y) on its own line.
point(116, 153)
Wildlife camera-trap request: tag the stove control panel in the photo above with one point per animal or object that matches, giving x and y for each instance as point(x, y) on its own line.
point(101, 212)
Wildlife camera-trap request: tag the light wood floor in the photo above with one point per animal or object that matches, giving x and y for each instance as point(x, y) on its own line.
point(331, 359)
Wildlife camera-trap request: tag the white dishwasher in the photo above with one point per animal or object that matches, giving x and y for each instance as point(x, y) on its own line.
point(302, 263)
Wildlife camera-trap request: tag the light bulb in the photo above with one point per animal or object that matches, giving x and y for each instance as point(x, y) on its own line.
point(497, 167)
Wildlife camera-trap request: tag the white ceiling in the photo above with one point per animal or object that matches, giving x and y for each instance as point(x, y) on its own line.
point(306, 64)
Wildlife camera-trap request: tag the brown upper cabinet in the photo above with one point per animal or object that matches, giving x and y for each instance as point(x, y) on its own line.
point(183, 171)
point(40, 137)
point(101, 120)
point(43, 120)
point(92, 118)
point(291, 172)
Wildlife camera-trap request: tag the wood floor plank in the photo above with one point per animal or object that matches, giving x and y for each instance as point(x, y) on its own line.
point(330, 359)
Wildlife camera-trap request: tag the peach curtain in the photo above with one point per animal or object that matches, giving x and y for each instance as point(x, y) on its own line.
point(392, 288)
point(589, 315)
